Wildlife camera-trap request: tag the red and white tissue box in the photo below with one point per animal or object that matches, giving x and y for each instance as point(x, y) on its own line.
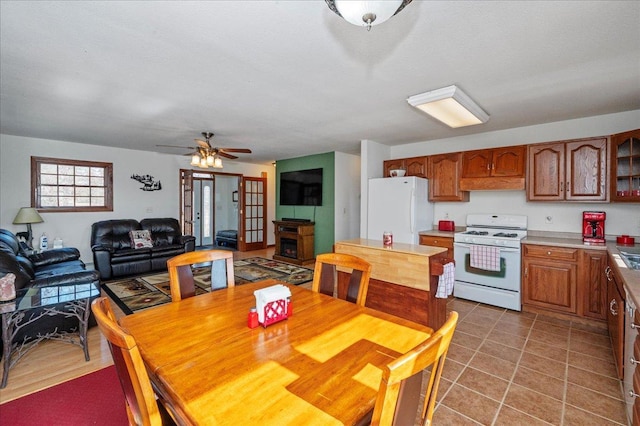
point(271, 304)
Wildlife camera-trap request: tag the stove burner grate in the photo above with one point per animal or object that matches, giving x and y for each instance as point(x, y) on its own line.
point(476, 233)
point(505, 235)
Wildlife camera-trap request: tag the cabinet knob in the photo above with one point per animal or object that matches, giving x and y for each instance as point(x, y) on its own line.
point(633, 361)
point(632, 394)
point(607, 272)
point(548, 253)
point(634, 325)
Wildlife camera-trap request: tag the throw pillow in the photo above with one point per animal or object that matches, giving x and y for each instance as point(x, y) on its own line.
point(140, 239)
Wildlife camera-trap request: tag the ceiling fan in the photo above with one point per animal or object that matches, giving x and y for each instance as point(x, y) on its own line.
point(205, 155)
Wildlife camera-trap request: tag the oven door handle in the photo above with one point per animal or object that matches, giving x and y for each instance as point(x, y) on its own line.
point(502, 249)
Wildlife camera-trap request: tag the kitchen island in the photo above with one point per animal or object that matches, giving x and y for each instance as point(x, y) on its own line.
point(404, 278)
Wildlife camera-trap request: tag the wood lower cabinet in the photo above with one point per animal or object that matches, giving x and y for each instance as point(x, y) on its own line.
point(498, 168)
point(294, 242)
point(413, 166)
point(446, 242)
point(615, 317)
point(444, 177)
point(550, 278)
point(593, 284)
point(565, 280)
point(571, 171)
point(635, 381)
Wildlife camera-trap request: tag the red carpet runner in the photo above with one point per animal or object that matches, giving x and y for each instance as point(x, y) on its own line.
point(93, 399)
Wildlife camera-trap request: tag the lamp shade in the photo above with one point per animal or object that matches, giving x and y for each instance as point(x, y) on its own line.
point(366, 13)
point(27, 215)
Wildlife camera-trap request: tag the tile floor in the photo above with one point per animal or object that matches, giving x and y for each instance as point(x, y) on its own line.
point(512, 368)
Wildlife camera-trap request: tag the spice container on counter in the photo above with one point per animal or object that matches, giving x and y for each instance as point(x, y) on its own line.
point(387, 238)
point(252, 320)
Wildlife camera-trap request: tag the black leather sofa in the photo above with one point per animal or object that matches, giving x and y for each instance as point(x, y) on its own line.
point(114, 256)
point(56, 267)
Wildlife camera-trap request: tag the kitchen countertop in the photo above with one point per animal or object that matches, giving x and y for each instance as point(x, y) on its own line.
point(444, 234)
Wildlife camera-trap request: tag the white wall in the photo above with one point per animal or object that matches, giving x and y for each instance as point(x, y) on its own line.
point(372, 154)
point(129, 201)
point(566, 217)
point(347, 196)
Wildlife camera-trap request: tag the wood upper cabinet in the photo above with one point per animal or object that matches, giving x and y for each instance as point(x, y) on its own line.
point(444, 177)
point(414, 166)
point(389, 165)
point(498, 168)
point(586, 170)
point(572, 171)
point(625, 166)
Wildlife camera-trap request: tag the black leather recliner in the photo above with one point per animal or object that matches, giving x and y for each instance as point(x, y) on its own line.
point(114, 256)
point(56, 267)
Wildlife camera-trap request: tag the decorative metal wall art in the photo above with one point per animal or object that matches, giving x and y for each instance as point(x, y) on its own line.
point(148, 182)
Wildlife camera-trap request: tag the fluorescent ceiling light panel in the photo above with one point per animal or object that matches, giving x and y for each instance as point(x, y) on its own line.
point(451, 106)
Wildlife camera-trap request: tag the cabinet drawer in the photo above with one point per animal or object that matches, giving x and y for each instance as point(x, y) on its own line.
point(549, 252)
point(436, 241)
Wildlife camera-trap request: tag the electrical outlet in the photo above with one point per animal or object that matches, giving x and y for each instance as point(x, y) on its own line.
point(548, 219)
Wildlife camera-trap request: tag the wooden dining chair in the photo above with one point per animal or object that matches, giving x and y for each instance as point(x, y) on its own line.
point(325, 276)
point(399, 393)
point(140, 398)
point(181, 273)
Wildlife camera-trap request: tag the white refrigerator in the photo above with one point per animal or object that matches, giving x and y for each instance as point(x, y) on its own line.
point(399, 205)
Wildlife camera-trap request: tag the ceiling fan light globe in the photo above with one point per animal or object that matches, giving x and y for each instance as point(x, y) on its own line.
point(359, 12)
point(210, 160)
point(218, 163)
point(195, 160)
point(203, 163)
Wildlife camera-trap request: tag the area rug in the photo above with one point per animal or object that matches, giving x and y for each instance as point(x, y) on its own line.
point(134, 294)
point(93, 399)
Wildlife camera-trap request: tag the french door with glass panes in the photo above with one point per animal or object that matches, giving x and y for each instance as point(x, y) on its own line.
point(253, 214)
point(210, 202)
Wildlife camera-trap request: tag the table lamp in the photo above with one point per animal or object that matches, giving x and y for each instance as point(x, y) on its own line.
point(28, 215)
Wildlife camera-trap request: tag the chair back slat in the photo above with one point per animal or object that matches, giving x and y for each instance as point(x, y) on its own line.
point(181, 274)
point(325, 276)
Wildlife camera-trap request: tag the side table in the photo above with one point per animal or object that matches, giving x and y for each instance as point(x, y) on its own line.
point(66, 300)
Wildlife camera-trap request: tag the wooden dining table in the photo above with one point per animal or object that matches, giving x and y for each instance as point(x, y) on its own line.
point(320, 366)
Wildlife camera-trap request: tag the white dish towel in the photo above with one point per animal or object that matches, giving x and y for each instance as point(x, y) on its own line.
point(485, 257)
point(445, 281)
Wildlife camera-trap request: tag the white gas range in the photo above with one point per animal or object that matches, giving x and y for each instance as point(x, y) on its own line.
point(487, 256)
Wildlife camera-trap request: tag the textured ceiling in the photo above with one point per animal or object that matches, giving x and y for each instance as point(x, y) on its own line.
point(291, 78)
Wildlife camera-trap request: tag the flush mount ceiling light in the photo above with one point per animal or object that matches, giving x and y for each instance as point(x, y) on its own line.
point(451, 106)
point(366, 13)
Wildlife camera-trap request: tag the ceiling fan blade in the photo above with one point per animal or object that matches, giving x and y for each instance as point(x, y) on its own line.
point(243, 150)
point(204, 144)
point(175, 146)
point(224, 154)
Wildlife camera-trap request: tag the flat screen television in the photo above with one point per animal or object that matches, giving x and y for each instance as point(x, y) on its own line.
point(301, 188)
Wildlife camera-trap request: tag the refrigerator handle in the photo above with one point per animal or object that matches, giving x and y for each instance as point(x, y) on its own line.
point(411, 210)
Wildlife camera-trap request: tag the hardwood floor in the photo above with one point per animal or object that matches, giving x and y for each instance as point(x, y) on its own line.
point(51, 362)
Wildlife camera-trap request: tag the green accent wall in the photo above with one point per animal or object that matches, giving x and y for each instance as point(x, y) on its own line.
point(323, 215)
